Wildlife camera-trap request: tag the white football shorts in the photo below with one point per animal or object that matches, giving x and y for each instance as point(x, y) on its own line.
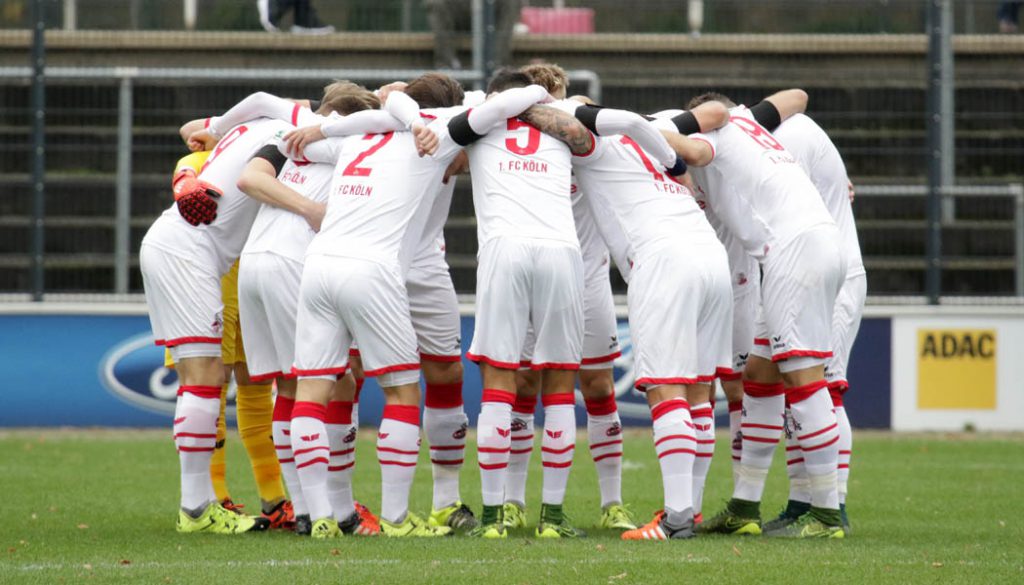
point(798, 292)
point(268, 303)
point(343, 299)
point(435, 311)
point(846, 318)
point(522, 282)
point(680, 315)
point(186, 309)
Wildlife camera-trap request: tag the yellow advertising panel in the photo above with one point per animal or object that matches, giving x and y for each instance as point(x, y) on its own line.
point(956, 369)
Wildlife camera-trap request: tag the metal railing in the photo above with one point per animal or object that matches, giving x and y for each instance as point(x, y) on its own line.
point(935, 262)
point(126, 78)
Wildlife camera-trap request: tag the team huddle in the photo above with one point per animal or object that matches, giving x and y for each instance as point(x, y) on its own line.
point(732, 227)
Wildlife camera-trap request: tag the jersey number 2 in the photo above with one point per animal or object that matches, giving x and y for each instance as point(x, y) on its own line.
point(353, 169)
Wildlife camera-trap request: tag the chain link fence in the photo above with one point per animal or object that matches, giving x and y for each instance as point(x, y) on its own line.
point(114, 100)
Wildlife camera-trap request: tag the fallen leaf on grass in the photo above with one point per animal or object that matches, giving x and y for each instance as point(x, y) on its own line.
point(335, 552)
point(54, 508)
point(736, 551)
point(936, 564)
point(87, 567)
point(600, 548)
point(125, 562)
point(11, 549)
point(35, 516)
point(83, 526)
point(616, 577)
point(1002, 523)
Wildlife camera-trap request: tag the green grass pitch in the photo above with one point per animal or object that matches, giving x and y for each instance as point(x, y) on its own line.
point(99, 506)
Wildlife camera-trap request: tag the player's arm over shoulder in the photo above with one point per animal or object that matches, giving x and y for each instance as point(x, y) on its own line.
point(562, 126)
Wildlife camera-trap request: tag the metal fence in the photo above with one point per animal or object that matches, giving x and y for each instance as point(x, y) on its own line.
point(110, 137)
point(604, 16)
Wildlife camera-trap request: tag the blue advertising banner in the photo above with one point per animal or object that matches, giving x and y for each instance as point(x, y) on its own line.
point(103, 370)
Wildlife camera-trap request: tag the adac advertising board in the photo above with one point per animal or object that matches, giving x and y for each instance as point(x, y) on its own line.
point(73, 369)
point(958, 371)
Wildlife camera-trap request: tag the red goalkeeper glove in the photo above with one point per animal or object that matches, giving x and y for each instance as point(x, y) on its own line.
point(196, 198)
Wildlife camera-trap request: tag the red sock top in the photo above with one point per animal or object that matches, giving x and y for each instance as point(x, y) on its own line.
point(444, 395)
point(666, 406)
point(339, 412)
point(524, 404)
point(201, 391)
point(496, 395)
point(560, 399)
point(761, 390)
point(310, 409)
point(801, 393)
point(403, 413)
point(283, 408)
point(602, 406)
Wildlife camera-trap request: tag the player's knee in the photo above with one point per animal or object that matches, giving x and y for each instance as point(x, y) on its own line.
point(596, 384)
point(761, 370)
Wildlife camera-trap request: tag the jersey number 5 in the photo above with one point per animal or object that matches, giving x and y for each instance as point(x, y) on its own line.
point(353, 169)
point(532, 139)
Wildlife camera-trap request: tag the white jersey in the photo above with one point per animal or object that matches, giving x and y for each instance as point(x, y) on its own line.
point(379, 185)
point(756, 188)
point(219, 244)
point(279, 231)
point(652, 208)
point(592, 246)
point(521, 181)
point(823, 164)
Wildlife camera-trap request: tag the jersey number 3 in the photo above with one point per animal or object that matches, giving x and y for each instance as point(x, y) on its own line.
point(758, 133)
point(353, 169)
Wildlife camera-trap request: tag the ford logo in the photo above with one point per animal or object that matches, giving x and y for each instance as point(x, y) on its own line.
point(134, 372)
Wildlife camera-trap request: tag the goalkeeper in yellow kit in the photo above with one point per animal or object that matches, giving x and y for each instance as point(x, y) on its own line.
point(254, 401)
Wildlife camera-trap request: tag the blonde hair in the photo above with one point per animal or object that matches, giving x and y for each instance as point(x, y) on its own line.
point(346, 98)
point(549, 76)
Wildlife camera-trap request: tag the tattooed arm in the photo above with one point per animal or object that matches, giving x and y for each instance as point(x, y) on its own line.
point(560, 125)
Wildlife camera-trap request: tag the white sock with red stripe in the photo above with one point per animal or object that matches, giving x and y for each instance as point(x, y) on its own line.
point(341, 435)
point(398, 447)
point(604, 434)
point(736, 437)
point(799, 483)
point(281, 431)
point(557, 445)
point(703, 417)
point(195, 436)
point(493, 443)
point(761, 427)
point(445, 423)
point(675, 444)
point(818, 434)
point(845, 440)
point(522, 449)
point(311, 450)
